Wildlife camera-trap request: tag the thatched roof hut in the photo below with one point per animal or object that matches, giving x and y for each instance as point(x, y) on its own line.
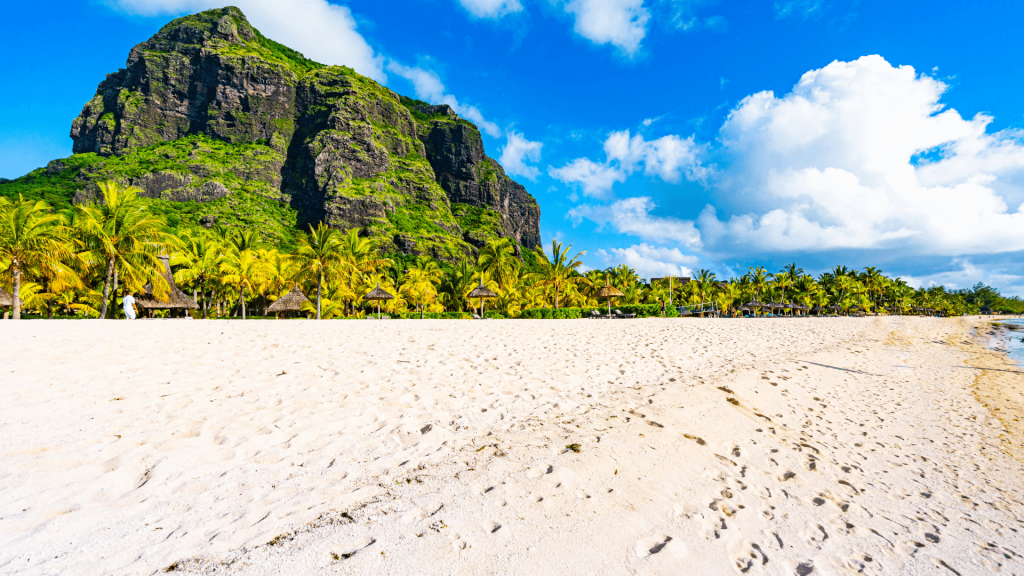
point(290, 302)
point(6, 300)
point(609, 291)
point(378, 293)
point(482, 291)
point(176, 299)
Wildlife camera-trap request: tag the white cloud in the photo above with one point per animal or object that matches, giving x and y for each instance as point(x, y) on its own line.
point(491, 8)
point(651, 261)
point(518, 149)
point(632, 216)
point(322, 31)
point(428, 86)
point(860, 155)
point(621, 23)
point(802, 8)
point(831, 165)
point(671, 158)
point(965, 274)
point(596, 179)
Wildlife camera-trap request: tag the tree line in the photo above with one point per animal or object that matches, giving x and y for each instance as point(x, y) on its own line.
point(79, 261)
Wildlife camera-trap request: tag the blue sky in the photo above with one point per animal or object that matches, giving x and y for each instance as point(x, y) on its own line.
point(671, 135)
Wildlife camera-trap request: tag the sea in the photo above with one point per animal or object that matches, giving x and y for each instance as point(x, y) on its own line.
point(1015, 341)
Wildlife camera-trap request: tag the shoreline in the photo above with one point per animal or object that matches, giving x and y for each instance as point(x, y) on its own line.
point(999, 386)
point(654, 446)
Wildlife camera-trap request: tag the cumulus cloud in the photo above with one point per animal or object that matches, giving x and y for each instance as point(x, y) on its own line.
point(633, 216)
point(322, 31)
point(859, 155)
point(428, 86)
point(491, 8)
point(621, 23)
point(671, 158)
point(864, 155)
point(595, 179)
point(515, 153)
point(651, 261)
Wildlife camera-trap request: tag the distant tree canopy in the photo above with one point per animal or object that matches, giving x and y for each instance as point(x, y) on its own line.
point(77, 262)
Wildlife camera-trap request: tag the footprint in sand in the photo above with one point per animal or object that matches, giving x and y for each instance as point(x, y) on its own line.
point(651, 545)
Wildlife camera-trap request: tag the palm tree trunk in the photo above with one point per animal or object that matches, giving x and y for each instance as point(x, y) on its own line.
point(556, 296)
point(106, 290)
point(241, 300)
point(114, 292)
point(17, 294)
point(319, 285)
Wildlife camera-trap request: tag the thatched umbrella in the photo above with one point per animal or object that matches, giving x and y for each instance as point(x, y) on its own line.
point(378, 294)
point(176, 299)
point(290, 302)
point(482, 292)
point(608, 292)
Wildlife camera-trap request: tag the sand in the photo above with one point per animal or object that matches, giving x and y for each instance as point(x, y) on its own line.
point(683, 446)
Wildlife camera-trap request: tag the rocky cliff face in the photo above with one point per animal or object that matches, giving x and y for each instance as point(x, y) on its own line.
point(209, 110)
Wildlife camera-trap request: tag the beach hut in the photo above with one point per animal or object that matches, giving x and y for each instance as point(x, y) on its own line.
point(376, 295)
point(608, 292)
point(482, 292)
point(290, 303)
point(7, 301)
point(177, 302)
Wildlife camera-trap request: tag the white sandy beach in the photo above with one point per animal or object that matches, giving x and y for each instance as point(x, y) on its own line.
point(787, 446)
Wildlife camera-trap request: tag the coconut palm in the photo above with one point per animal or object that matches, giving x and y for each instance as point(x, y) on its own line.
point(325, 255)
point(125, 237)
point(560, 270)
point(244, 270)
point(704, 284)
point(419, 286)
point(198, 264)
point(456, 282)
point(758, 279)
point(31, 239)
point(498, 259)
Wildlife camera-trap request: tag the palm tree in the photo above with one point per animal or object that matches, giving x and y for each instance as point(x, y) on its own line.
point(455, 284)
point(360, 256)
point(280, 273)
point(198, 263)
point(498, 259)
point(124, 236)
point(704, 285)
point(30, 239)
point(758, 279)
point(420, 280)
point(243, 269)
point(783, 280)
point(323, 254)
point(561, 270)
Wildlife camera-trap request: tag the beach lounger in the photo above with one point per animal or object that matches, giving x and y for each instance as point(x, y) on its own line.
point(619, 314)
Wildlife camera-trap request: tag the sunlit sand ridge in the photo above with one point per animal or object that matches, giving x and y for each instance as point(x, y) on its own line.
point(788, 446)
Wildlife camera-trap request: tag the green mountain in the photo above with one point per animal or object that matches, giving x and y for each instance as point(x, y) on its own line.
point(218, 124)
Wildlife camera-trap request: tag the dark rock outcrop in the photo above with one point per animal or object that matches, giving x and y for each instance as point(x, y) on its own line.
point(333, 145)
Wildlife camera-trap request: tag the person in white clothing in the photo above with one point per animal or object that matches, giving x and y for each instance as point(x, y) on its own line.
point(128, 302)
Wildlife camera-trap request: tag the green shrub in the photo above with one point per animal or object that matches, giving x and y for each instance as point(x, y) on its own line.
point(566, 313)
point(494, 314)
point(436, 316)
